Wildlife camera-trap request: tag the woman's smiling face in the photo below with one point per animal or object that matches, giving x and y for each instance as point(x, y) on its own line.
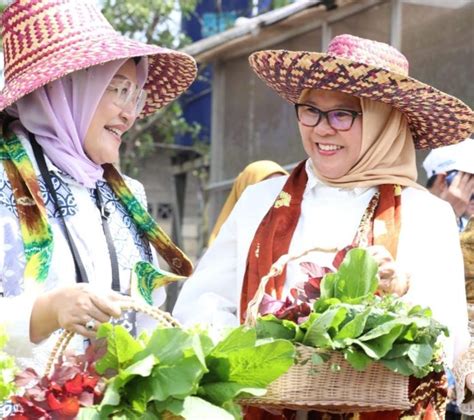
point(110, 122)
point(332, 152)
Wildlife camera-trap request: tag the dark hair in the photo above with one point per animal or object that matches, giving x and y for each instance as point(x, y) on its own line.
point(136, 59)
point(5, 120)
point(431, 181)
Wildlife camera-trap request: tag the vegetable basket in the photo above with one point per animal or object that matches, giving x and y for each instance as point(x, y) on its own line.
point(163, 319)
point(169, 374)
point(333, 386)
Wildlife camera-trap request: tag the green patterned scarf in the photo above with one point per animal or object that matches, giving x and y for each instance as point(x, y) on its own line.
point(37, 235)
point(35, 229)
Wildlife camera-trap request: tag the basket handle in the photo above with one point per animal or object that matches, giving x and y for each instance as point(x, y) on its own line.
point(275, 270)
point(163, 318)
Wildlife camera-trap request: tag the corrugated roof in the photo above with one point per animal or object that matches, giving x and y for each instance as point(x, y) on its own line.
point(250, 26)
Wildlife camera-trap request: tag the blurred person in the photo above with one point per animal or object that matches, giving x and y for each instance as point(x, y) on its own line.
point(252, 173)
point(450, 172)
point(360, 118)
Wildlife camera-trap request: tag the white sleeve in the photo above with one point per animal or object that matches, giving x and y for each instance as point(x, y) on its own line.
point(15, 305)
point(437, 271)
point(212, 294)
point(209, 296)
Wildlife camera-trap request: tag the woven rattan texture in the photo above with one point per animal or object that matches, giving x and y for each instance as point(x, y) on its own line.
point(323, 388)
point(435, 118)
point(44, 40)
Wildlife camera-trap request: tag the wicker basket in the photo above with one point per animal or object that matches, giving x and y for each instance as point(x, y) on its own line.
point(323, 388)
point(164, 319)
point(333, 386)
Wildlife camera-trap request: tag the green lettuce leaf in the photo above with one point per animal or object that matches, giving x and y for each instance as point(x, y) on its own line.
point(380, 346)
point(252, 366)
point(317, 334)
point(195, 408)
point(357, 359)
point(221, 392)
point(356, 276)
point(355, 327)
point(271, 326)
point(237, 339)
point(179, 380)
point(121, 348)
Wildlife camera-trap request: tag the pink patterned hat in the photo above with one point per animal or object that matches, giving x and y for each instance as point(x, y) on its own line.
point(44, 40)
point(373, 70)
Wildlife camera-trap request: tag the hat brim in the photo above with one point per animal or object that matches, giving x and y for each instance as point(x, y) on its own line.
point(170, 72)
point(435, 118)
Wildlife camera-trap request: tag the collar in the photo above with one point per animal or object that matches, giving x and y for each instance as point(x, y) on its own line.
point(314, 183)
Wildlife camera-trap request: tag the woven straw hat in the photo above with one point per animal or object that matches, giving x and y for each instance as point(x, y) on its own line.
point(44, 40)
point(373, 70)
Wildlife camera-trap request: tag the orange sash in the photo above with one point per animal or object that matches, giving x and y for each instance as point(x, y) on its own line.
point(273, 236)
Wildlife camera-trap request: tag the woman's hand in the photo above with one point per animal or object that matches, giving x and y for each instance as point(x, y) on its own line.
point(390, 278)
point(72, 308)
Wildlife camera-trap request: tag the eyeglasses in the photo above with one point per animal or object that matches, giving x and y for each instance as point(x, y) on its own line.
point(338, 119)
point(126, 93)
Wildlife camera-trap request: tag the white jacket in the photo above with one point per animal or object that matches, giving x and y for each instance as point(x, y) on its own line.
point(428, 249)
point(84, 223)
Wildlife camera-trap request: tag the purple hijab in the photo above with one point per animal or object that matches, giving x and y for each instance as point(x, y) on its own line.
point(59, 115)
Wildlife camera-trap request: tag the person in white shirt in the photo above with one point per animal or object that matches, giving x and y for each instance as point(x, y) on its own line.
point(71, 227)
point(360, 118)
point(450, 173)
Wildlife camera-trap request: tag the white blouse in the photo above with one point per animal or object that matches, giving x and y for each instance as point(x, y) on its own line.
point(428, 249)
point(85, 225)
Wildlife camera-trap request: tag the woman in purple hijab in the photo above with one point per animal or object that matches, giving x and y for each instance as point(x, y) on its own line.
point(72, 227)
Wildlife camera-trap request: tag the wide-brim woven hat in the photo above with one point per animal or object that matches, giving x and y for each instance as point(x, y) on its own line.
point(372, 70)
point(44, 40)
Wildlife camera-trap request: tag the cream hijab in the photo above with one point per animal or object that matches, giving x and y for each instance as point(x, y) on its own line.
point(387, 155)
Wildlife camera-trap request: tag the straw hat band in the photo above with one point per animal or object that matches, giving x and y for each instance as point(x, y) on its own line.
point(31, 38)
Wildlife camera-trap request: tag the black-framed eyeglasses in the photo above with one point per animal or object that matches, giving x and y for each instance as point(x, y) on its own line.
point(338, 119)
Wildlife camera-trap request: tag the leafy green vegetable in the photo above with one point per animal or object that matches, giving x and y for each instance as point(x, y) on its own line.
point(250, 365)
point(184, 373)
point(120, 350)
point(7, 369)
point(221, 392)
point(349, 317)
point(195, 408)
point(355, 327)
point(276, 328)
point(356, 278)
point(317, 334)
